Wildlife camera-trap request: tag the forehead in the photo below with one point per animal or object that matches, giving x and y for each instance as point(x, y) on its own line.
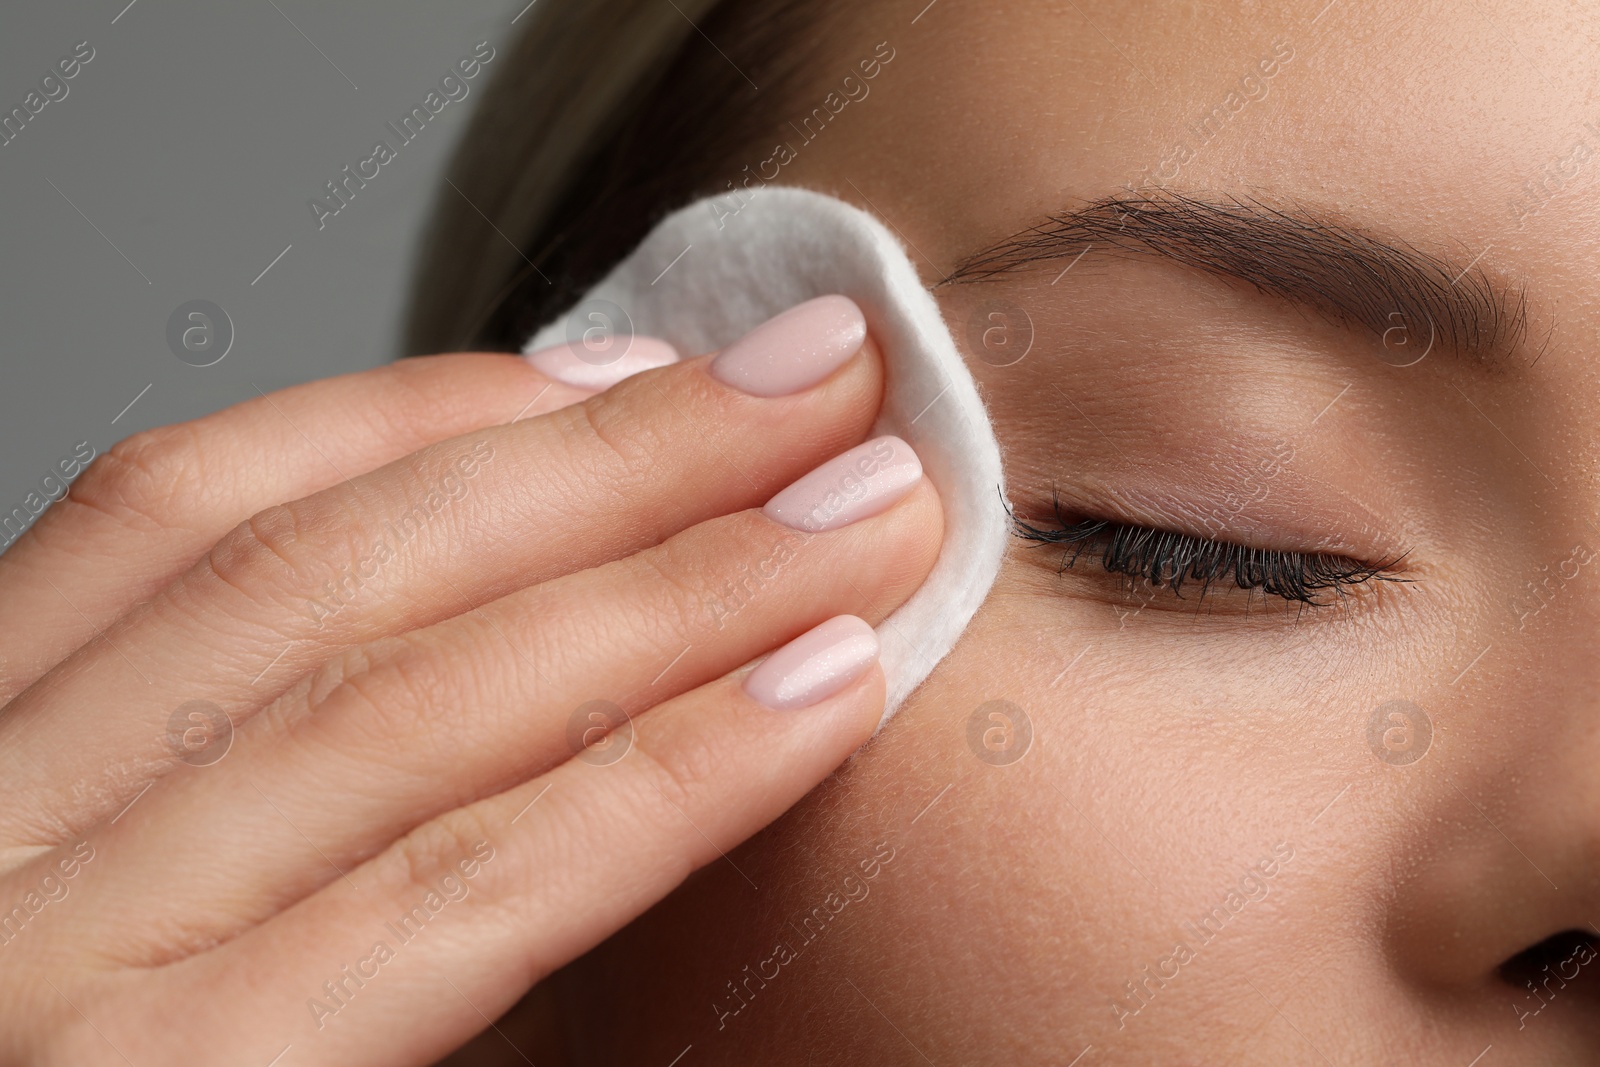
point(1459, 127)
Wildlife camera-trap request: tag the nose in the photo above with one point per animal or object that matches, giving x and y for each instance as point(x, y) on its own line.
point(1497, 894)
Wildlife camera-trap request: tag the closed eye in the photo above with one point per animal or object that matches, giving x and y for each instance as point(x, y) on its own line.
point(1178, 561)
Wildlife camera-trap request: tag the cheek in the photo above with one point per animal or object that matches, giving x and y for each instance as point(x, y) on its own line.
point(974, 832)
point(1031, 887)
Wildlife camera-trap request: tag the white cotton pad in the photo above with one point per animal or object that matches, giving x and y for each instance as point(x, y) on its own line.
point(706, 276)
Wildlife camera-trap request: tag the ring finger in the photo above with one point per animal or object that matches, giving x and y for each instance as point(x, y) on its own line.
point(479, 703)
point(421, 540)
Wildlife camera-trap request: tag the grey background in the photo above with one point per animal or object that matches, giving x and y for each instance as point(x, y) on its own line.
point(193, 140)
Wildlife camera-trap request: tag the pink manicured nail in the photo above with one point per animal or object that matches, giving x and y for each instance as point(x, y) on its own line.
point(795, 350)
point(815, 665)
point(865, 481)
point(572, 364)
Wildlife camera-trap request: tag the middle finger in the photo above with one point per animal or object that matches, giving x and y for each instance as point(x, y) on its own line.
point(338, 770)
point(454, 526)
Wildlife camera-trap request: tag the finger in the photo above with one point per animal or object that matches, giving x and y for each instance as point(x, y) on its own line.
point(457, 525)
point(476, 906)
point(148, 509)
point(484, 701)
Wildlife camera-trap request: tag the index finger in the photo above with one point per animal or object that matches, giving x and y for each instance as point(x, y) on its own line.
point(144, 512)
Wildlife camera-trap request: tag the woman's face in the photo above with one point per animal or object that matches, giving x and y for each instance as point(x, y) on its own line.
point(1286, 316)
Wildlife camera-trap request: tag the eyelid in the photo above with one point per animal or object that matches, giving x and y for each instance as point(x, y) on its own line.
point(1295, 514)
point(1165, 559)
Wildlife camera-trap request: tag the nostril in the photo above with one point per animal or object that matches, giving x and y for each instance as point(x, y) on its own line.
point(1553, 964)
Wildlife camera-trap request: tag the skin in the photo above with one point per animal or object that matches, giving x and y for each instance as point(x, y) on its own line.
point(984, 902)
point(413, 745)
point(1176, 743)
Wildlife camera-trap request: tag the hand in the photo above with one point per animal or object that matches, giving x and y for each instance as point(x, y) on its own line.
point(310, 779)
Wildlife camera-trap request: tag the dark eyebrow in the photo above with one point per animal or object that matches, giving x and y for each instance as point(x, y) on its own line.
point(1350, 276)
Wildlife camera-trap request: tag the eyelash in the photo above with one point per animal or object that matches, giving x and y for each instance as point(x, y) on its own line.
point(1167, 558)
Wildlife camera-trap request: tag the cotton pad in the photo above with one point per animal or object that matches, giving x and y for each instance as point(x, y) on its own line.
point(705, 276)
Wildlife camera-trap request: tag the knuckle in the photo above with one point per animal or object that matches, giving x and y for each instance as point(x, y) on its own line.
point(346, 664)
point(436, 848)
point(681, 771)
point(678, 602)
point(390, 709)
point(628, 447)
point(150, 479)
point(266, 554)
point(305, 560)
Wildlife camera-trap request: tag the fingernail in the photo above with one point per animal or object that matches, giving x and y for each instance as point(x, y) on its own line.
point(572, 364)
point(795, 350)
point(865, 481)
point(815, 665)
